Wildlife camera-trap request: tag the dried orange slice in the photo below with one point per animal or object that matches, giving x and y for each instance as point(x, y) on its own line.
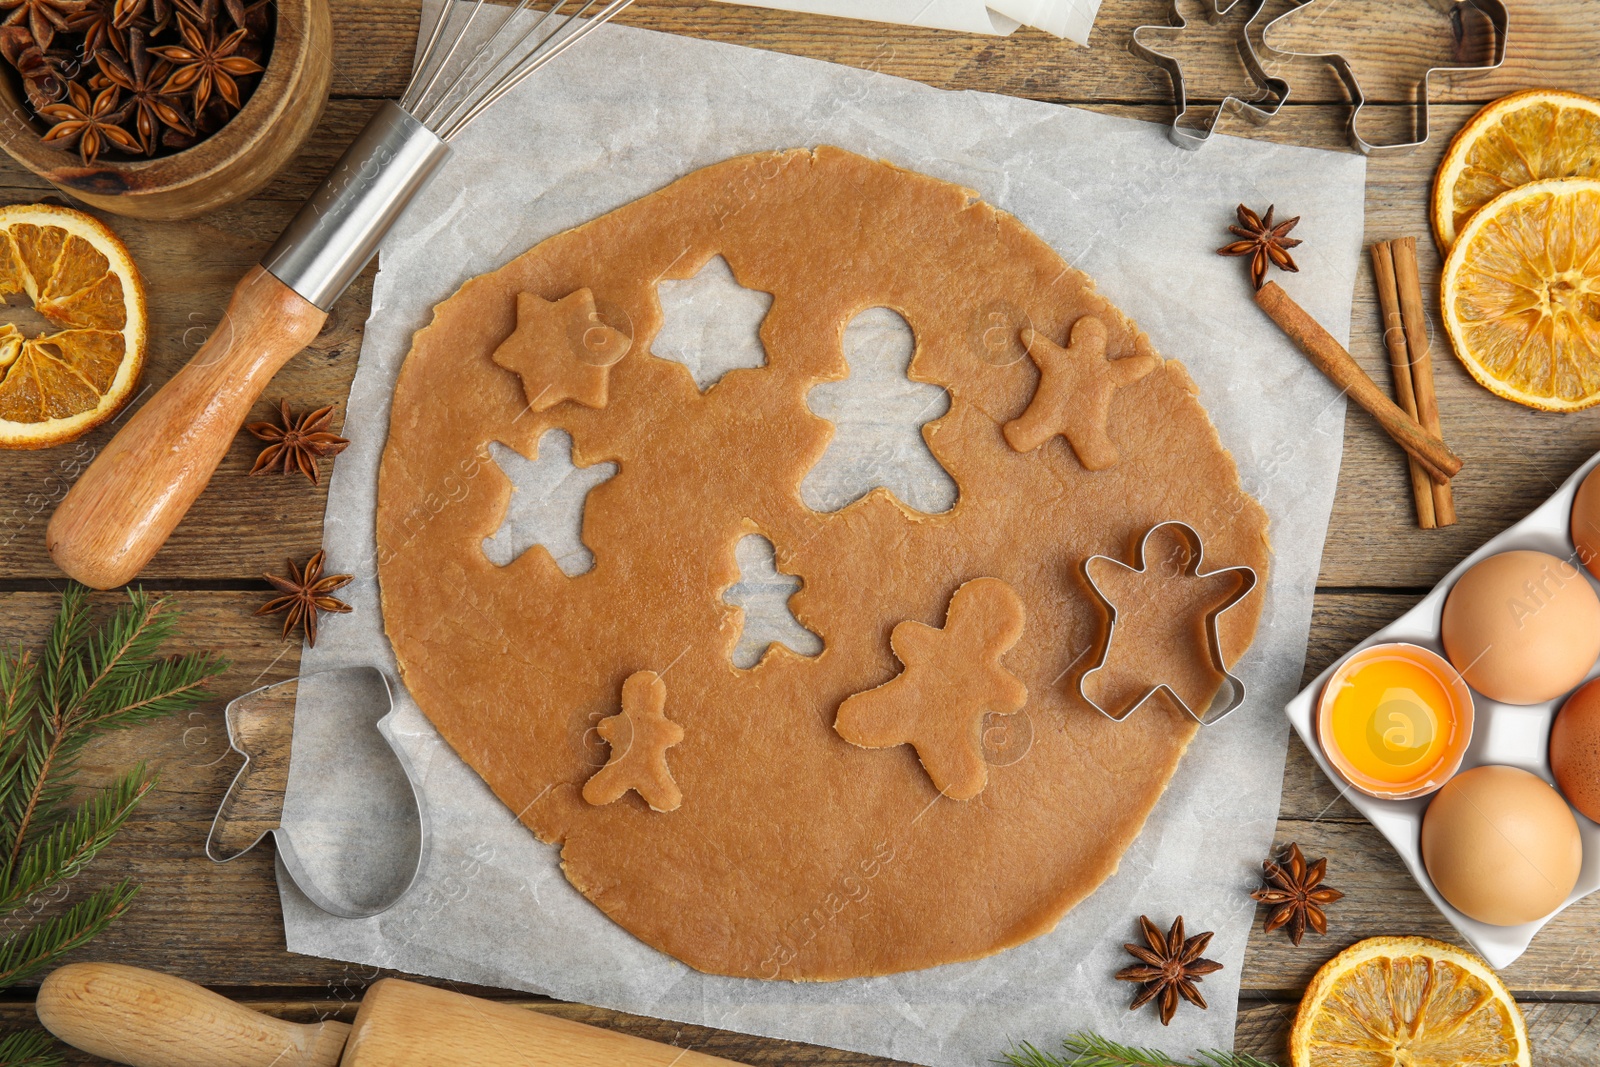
point(1519, 139)
point(62, 381)
point(1521, 294)
point(1408, 1002)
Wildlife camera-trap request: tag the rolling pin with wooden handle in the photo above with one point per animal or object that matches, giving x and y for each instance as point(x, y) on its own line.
point(145, 1019)
point(126, 505)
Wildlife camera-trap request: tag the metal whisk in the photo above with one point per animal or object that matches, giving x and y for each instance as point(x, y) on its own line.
point(126, 505)
point(339, 229)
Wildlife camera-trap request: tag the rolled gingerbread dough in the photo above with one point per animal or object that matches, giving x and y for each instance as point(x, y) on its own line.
point(793, 853)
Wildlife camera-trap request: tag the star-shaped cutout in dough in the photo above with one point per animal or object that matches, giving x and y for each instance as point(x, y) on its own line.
point(639, 738)
point(1163, 635)
point(953, 678)
point(1073, 398)
point(562, 350)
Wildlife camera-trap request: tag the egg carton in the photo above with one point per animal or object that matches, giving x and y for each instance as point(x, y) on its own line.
point(1505, 734)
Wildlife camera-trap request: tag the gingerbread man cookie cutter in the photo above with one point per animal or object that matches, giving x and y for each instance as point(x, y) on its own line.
point(260, 726)
point(1230, 694)
point(1494, 10)
point(1275, 89)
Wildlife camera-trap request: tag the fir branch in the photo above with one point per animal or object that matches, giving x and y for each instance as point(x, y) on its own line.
point(1085, 1049)
point(63, 649)
point(17, 677)
point(25, 953)
point(121, 650)
point(159, 689)
point(28, 1048)
point(71, 844)
point(91, 681)
point(18, 701)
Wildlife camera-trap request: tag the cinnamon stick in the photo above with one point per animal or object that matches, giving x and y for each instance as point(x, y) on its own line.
point(1394, 339)
point(1329, 356)
point(1416, 328)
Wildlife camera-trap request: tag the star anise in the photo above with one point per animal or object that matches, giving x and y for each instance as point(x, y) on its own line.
point(296, 444)
point(1169, 968)
point(44, 18)
point(92, 124)
point(98, 24)
point(305, 592)
point(44, 74)
point(204, 63)
point(1263, 242)
point(205, 11)
point(153, 107)
point(1295, 895)
point(127, 12)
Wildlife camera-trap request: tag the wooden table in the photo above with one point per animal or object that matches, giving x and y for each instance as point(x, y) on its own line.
point(221, 925)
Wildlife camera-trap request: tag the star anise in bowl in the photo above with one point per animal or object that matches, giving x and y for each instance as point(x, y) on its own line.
point(134, 78)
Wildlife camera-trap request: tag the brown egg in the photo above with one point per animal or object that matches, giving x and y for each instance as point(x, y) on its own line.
point(1522, 627)
point(1575, 749)
point(1586, 522)
point(1501, 845)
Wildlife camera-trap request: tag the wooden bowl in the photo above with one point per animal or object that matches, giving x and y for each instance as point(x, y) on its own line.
point(232, 164)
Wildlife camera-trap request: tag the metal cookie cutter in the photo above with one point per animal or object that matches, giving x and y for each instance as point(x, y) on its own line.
point(366, 831)
point(1231, 693)
point(1499, 18)
point(1189, 137)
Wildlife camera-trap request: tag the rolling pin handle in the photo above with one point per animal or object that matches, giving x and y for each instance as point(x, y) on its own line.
point(147, 1019)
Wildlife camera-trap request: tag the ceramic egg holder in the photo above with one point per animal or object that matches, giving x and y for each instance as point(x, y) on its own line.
point(1505, 734)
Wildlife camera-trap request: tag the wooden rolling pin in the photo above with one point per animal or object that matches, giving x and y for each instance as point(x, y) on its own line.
point(146, 1019)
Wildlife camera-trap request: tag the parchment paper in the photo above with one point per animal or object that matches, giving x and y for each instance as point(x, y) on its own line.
point(632, 110)
point(1072, 19)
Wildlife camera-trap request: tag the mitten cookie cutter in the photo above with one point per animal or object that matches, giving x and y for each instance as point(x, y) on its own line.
point(1189, 137)
point(1499, 18)
point(260, 727)
point(1230, 694)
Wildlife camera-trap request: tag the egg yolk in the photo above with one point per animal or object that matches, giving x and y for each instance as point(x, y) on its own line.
point(1393, 720)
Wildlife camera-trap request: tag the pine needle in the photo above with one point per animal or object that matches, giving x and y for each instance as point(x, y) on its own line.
point(26, 952)
point(72, 843)
point(28, 1048)
point(1085, 1049)
point(88, 681)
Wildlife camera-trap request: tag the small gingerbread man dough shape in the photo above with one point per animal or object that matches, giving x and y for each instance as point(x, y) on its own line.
point(1073, 398)
point(562, 350)
point(639, 738)
point(953, 678)
point(1163, 603)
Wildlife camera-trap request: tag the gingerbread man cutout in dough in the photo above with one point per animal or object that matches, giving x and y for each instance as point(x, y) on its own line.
point(1073, 398)
point(639, 738)
point(953, 678)
point(562, 350)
